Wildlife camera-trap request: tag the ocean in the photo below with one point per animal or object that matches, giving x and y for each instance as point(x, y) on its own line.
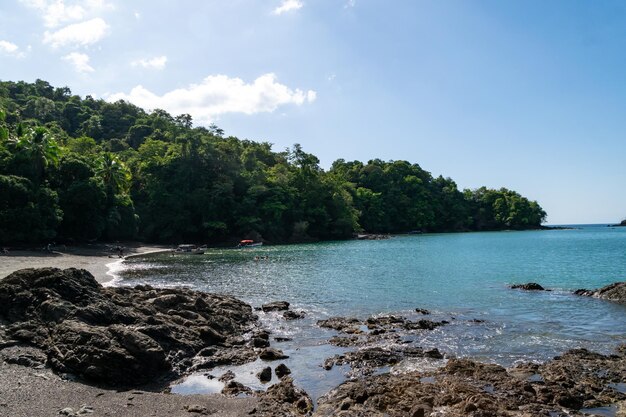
point(462, 278)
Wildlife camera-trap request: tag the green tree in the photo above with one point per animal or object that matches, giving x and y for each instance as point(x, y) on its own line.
point(41, 149)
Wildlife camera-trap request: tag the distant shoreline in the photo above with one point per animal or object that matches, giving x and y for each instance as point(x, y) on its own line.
point(95, 258)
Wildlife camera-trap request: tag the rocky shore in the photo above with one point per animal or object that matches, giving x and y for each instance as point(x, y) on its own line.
point(613, 292)
point(565, 386)
point(68, 346)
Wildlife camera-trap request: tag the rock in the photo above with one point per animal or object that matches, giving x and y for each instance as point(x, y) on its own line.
point(339, 323)
point(282, 370)
point(531, 286)
point(420, 410)
point(257, 342)
point(234, 388)
point(31, 360)
point(196, 408)
point(293, 315)
point(85, 409)
point(422, 311)
point(271, 354)
point(227, 376)
point(120, 336)
point(265, 375)
point(275, 306)
point(284, 399)
point(67, 412)
point(613, 292)
point(575, 380)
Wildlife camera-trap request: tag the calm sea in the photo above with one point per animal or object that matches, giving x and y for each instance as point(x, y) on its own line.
point(458, 277)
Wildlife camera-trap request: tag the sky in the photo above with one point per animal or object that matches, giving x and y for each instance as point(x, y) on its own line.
point(528, 95)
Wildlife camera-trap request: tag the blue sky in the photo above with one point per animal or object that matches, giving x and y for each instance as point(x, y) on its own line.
point(529, 95)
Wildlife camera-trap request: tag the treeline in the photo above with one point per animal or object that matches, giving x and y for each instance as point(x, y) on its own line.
point(74, 169)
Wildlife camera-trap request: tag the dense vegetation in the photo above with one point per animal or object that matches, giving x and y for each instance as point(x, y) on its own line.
point(84, 169)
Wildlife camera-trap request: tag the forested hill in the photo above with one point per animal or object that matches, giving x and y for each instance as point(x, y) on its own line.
point(79, 169)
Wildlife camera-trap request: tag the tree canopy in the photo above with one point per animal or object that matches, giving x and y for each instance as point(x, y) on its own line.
point(81, 169)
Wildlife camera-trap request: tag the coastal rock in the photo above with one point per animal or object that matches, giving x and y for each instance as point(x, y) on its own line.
point(368, 360)
point(564, 386)
point(275, 306)
point(340, 323)
point(271, 354)
point(293, 315)
point(531, 286)
point(613, 292)
point(265, 375)
point(119, 336)
point(284, 399)
point(234, 388)
point(282, 370)
point(422, 311)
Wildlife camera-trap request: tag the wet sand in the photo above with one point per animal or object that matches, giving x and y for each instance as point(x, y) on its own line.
point(94, 258)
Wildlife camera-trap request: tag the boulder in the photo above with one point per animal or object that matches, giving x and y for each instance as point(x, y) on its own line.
point(265, 375)
point(293, 315)
point(531, 286)
point(119, 336)
point(282, 370)
point(271, 354)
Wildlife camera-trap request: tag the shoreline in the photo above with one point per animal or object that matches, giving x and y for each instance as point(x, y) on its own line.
point(574, 383)
point(98, 259)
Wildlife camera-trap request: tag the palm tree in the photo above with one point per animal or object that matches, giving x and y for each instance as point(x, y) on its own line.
point(114, 174)
point(39, 146)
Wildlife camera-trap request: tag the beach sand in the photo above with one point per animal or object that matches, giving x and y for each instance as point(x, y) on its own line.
point(94, 258)
point(28, 392)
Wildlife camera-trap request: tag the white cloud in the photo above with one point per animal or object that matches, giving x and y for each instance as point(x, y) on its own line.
point(287, 6)
point(57, 12)
point(350, 3)
point(158, 62)
point(77, 34)
point(220, 94)
point(8, 47)
point(79, 61)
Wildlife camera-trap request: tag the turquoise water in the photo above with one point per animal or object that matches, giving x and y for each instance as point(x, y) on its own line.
point(459, 277)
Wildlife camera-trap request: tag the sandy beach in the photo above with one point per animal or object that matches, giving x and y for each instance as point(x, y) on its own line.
point(95, 258)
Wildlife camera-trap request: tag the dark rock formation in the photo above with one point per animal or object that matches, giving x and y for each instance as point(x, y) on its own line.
point(271, 354)
point(531, 286)
point(293, 315)
point(282, 370)
point(284, 399)
point(342, 324)
point(275, 306)
point(422, 311)
point(577, 379)
point(120, 336)
point(612, 292)
point(234, 388)
point(265, 375)
point(367, 360)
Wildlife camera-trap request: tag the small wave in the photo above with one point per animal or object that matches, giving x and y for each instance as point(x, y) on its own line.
point(114, 271)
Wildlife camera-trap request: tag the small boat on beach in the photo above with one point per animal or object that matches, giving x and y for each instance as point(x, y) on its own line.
point(188, 249)
point(247, 243)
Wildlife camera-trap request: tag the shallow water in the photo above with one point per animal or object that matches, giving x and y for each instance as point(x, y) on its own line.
point(458, 277)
